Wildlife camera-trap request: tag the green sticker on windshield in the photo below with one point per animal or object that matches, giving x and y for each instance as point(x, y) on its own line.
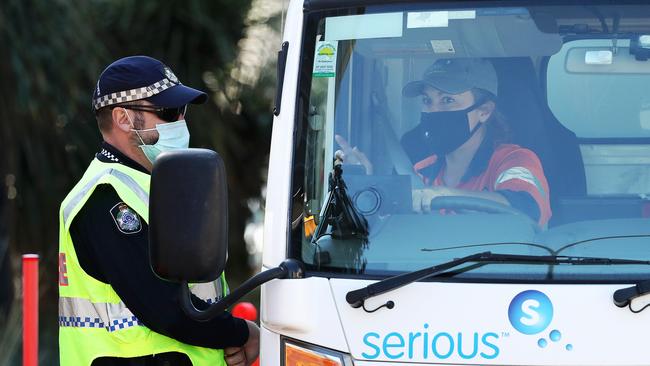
point(325, 59)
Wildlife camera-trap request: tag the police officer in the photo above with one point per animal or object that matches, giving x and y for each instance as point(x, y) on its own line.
point(113, 310)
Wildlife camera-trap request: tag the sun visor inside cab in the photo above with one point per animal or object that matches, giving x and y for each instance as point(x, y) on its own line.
point(500, 32)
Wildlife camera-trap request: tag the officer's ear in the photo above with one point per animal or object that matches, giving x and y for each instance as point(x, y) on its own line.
point(121, 119)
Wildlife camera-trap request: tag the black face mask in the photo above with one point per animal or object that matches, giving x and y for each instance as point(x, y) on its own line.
point(447, 131)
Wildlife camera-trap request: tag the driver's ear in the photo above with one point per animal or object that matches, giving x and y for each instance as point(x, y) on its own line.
point(485, 110)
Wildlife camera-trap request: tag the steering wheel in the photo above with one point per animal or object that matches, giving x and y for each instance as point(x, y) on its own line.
point(477, 204)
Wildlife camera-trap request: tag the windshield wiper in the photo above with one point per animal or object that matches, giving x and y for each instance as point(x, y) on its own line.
point(539, 245)
point(356, 298)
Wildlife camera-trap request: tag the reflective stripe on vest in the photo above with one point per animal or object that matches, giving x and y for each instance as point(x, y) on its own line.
point(79, 312)
point(128, 181)
point(82, 313)
point(209, 292)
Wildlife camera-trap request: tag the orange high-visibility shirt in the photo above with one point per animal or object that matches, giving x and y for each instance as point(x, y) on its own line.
point(510, 167)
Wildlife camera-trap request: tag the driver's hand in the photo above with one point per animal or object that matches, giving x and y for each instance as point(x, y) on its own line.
point(422, 197)
point(352, 155)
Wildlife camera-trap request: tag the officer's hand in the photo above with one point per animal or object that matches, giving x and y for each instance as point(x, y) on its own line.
point(352, 155)
point(246, 354)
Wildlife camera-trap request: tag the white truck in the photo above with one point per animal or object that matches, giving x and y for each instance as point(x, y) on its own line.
point(355, 276)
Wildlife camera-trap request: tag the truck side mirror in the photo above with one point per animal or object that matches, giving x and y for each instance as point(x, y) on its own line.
point(188, 216)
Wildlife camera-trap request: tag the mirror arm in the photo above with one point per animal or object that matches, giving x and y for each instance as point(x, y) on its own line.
point(289, 269)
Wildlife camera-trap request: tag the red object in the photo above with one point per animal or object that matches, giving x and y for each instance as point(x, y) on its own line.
point(30, 310)
point(246, 310)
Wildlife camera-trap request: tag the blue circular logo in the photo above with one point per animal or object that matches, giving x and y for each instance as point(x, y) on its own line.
point(530, 312)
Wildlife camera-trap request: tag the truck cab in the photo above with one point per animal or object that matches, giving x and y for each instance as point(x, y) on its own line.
point(573, 88)
point(363, 265)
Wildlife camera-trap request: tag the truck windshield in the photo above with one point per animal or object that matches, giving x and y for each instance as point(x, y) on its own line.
point(520, 130)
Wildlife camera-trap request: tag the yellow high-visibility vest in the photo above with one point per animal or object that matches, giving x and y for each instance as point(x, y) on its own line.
point(93, 320)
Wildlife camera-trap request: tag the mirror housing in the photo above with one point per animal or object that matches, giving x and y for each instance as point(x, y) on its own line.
point(188, 228)
point(640, 47)
point(188, 216)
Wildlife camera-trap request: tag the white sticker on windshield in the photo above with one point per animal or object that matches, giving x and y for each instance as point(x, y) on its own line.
point(442, 46)
point(427, 19)
point(325, 59)
point(364, 26)
point(462, 14)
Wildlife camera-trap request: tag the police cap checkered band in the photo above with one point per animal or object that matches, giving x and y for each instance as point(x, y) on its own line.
point(133, 94)
point(141, 77)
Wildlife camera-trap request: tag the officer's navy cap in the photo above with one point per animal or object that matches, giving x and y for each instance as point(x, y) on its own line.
point(141, 77)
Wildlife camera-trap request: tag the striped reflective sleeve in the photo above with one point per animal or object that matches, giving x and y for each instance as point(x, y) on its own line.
point(82, 313)
point(124, 178)
point(522, 174)
point(209, 292)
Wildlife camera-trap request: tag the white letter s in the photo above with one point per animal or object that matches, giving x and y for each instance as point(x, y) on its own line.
point(528, 308)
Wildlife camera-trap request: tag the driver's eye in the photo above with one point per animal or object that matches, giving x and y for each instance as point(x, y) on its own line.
point(427, 101)
point(448, 100)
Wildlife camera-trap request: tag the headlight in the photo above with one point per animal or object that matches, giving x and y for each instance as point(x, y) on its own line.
point(295, 353)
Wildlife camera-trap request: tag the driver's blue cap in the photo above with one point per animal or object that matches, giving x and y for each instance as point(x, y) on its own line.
point(141, 77)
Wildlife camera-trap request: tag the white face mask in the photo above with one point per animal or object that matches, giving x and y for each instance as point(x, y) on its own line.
point(171, 136)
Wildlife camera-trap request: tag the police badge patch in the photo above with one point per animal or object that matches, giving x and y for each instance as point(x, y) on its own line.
point(127, 221)
point(170, 75)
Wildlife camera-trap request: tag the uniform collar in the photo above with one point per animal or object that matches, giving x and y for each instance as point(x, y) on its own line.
point(110, 154)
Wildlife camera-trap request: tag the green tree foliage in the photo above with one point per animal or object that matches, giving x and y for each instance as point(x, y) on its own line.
point(54, 52)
